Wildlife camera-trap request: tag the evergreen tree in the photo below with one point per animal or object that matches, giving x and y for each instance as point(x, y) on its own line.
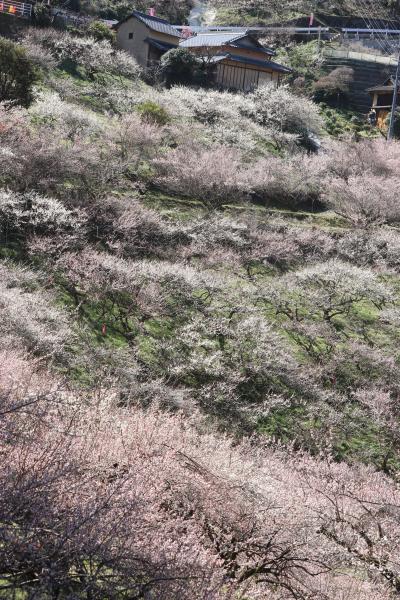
point(18, 74)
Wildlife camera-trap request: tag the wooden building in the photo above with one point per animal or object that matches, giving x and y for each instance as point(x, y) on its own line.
point(241, 62)
point(382, 99)
point(146, 37)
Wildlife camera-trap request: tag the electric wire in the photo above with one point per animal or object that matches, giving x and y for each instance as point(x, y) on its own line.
point(372, 22)
point(383, 41)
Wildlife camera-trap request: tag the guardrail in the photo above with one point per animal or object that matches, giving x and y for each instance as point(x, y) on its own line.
point(364, 56)
point(355, 31)
point(16, 9)
point(346, 31)
point(70, 17)
point(216, 29)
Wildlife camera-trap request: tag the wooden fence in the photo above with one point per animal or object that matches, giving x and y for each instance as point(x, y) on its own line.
point(16, 9)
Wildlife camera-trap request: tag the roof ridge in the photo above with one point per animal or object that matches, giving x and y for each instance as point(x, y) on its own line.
point(138, 13)
point(153, 23)
point(220, 33)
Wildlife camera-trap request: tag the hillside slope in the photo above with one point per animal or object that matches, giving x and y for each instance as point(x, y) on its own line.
point(257, 12)
point(199, 367)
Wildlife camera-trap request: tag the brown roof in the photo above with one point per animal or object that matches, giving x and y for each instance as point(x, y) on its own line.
point(381, 88)
point(386, 86)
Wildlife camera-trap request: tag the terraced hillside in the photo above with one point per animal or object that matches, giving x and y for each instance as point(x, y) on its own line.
point(199, 364)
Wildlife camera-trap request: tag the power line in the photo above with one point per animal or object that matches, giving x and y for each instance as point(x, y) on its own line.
point(397, 77)
point(383, 41)
point(372, 23)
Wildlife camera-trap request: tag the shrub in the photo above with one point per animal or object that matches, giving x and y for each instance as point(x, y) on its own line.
point(42, 15)
point(92, 56)
point(18, 74)
point(279, 108)
point(325, 291)
point(208, 106)
point(153, 113)
point(303, 58)
point(178, 66)
point(283, 247)
point(227, 117)
point(22, 213)
point(383, 410)
point(379, 248)
point(175, 514)
point(129, 293)
point(100, 31)
point(334, 87)
point(243, 353)
point(141, 232)
point(40, 56)
point(291, 183)
point(365, 200)
point(41, 159)
point(32, 316)
point(100, 57)
point(69, 119)
point(358, 365)
point(215, 177)
point(369, 157)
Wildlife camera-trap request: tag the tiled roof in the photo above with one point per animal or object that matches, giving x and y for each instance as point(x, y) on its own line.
point(231, 38)
point(387, 85)
point(156, 24)
point(260, 48)
point(211, 39)
point(382, 88)
point(163, 46)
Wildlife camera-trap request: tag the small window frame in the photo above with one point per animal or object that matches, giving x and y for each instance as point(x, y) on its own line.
point(130, 35)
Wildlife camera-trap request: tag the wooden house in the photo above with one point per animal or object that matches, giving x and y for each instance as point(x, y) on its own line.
point(241, 62)
point(146, 37)
point(382, 99)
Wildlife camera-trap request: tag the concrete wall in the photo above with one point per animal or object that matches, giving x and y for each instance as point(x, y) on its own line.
point(366, 74)
point(136, 46)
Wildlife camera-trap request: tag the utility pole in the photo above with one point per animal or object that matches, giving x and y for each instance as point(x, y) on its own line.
point(395, 95)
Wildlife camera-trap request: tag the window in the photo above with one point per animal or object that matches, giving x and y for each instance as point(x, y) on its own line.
point(130, 35)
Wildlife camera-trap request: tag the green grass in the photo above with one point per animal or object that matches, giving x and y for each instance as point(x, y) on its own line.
point(255, 14)
point(183, 209)
point(13, 594)
point(355, 438)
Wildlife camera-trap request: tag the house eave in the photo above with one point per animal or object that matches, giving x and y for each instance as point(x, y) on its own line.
point(266, 65)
